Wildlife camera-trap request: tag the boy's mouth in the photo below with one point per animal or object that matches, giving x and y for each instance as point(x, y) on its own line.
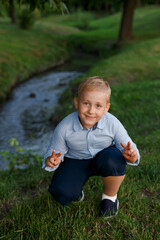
point(89, 117)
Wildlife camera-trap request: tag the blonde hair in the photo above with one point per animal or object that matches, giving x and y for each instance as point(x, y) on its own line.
point(94, 82)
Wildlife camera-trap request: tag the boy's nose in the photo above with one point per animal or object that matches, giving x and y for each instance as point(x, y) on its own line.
point(91, 109)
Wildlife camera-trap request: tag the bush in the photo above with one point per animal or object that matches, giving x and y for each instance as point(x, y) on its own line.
point(26, 19)
point(18, 157)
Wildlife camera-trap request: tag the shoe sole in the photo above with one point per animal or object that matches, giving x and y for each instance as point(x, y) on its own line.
point(82, 198)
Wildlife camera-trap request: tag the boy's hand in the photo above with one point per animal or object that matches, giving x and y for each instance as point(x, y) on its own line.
point(129, 152)
point(54, 159)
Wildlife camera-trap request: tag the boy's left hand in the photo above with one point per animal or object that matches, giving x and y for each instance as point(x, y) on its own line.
point(129, 152)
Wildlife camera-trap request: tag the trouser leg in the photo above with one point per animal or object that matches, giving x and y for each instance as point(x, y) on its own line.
point(111, 165)
point(110, 162)
point(70, 177)
point(68, 180)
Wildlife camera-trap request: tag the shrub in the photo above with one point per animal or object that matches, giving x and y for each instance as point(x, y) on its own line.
point(26, 19)
point(18, 157)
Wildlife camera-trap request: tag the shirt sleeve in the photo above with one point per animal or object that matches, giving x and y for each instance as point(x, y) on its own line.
point(121, 135)
point(58, 144)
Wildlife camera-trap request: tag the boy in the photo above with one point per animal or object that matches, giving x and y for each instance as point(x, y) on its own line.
point(90, 142)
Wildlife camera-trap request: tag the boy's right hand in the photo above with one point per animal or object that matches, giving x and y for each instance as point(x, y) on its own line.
point(54, 159)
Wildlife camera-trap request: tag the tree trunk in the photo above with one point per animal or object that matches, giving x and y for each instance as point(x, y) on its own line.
point(108, 7)
point(139, 3)
point(125, 32)
point(12, 11)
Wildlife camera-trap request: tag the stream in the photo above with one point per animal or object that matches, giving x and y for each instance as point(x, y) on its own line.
point(26, 115)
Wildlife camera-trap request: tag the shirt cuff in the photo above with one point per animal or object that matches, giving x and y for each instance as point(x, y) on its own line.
point(134, 163)
point(50, 169)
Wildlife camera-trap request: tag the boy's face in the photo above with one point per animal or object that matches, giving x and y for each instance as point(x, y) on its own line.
point(91, 106)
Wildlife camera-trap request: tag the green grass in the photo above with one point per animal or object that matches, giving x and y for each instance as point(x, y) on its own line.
point(28, 211)
point(24, 53)
point(146, 23)
point(138, 62)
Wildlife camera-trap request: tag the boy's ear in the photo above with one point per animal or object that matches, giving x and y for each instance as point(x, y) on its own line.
point(76, 102)
point(107, 108)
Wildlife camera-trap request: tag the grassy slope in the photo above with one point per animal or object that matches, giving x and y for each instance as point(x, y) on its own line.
point(134, 76)
point(26, 52)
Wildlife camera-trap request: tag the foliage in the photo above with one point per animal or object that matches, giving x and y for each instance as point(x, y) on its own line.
point(27, 211)
point(58, 5)
point(3, 11)
point(47, 10)
point(10, 6)
point(26, 19)
point(22, 51)
point(83, 20)
point(96, 5)
point(108, 6)
point(19, 157)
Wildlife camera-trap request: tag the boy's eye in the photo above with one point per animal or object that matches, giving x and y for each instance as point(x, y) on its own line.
point(98, 106)
point(85, 103)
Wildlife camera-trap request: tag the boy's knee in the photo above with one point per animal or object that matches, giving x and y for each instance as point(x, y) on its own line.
point(59, 194)
point(111, 162)
point(62, 195)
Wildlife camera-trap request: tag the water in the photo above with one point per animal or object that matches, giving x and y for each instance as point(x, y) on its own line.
point(26, 115)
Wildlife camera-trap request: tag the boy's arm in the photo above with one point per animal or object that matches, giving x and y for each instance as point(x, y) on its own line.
point(121, 136)
point(58, 144)
point(54, 159)
point(129, 152)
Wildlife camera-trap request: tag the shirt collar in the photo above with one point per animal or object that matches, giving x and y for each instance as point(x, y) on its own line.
point(101, 123)
point(78, 126)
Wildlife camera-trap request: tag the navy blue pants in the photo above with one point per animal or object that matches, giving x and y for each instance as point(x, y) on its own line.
point(70, 177)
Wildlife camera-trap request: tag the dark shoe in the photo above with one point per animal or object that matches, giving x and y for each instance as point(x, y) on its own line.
point(108, 208)
point(81, 198)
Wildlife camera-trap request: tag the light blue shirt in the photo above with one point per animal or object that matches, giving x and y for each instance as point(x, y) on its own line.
point(75, 141)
